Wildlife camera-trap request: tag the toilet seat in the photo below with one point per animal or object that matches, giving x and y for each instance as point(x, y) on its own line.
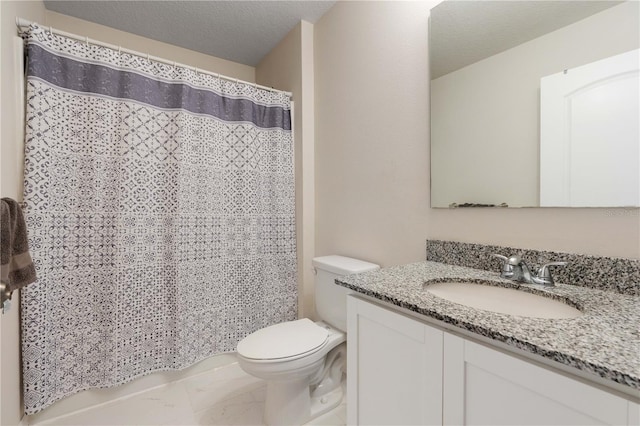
point(285, 341)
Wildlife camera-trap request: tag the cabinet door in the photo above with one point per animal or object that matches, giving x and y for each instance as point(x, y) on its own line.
point(634, 414)
point(394, 368)
point(483, 386)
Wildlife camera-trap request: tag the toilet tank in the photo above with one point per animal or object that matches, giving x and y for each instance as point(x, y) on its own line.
point(331, 299)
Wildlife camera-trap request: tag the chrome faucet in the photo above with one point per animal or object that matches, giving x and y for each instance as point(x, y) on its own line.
point(516, 269)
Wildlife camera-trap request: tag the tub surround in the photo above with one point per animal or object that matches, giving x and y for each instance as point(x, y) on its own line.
point(604, 341)
point(603, 273)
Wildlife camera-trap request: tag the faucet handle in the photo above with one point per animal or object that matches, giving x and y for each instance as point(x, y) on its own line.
point(544, 273)
point(507, 269)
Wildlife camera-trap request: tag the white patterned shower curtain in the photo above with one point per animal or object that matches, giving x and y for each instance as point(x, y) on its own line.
point(160, 209)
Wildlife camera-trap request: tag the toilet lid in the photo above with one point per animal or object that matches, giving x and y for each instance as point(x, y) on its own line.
point(283, 340)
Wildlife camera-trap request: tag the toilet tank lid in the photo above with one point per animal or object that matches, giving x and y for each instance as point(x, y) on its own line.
point(342, 265)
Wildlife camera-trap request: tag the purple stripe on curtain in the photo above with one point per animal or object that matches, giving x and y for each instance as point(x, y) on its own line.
point(79, 76)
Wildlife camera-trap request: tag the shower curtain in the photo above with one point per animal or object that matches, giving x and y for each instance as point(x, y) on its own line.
point(160, 208)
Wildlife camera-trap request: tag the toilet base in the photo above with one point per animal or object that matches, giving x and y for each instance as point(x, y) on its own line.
point(290, 403)
point(297, 401)
point(325, 403)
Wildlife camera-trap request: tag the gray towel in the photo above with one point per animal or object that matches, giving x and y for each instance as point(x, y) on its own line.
point(17, 268)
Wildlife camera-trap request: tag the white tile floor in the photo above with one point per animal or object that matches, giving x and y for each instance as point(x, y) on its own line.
point(223, 396)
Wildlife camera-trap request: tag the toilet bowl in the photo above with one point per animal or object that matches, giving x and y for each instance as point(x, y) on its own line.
point(296, 369)
point(303, 361)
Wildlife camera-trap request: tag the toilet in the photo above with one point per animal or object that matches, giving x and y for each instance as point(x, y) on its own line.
point(303, 361)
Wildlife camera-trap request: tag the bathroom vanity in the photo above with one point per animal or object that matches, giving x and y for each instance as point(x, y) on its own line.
point(416, 358)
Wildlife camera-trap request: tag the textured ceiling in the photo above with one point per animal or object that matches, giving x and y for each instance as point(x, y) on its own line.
point(240, 31)
point(464, 32)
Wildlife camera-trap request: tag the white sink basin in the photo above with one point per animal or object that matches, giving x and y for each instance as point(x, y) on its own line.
point(502, 300)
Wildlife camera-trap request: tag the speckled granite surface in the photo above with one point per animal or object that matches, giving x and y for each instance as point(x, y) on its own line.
point(604, 273)
point(605, 341)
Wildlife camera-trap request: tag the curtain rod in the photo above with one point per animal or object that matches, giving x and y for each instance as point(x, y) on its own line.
point(20, 22)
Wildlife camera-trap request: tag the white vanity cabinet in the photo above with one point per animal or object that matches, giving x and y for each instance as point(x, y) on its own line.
point(484, 386)
point(403, 371)
point(394, 366)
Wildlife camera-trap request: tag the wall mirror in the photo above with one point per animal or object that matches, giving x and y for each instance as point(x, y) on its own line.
point(535, 104)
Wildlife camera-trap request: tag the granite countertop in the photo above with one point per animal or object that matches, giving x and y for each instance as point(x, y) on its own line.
point(604, 341)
